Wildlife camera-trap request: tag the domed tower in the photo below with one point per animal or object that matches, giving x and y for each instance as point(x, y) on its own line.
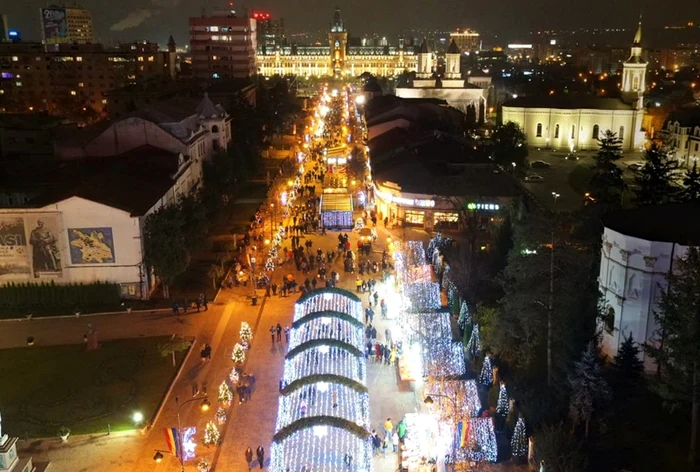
point(634, 73)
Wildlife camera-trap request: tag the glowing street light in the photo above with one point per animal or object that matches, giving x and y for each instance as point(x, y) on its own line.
point(137, 417)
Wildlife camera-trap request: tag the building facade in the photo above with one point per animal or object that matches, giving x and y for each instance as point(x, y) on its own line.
point(466, 40)
point(571, 123)
point(66, 25)
point(683, 131)
point(338, 59)
point(73, 77)
point(223, 46)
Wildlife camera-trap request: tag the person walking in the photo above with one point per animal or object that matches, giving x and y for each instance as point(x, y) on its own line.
point(260, 453)
point(388, 427)
point(249, 457)
point(273, 331)
point(286, 334)
point(395, 441)
point(203, 301)
point(278, 329)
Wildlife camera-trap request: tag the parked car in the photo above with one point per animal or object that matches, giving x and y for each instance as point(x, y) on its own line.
point(534, 178)
point(636, 165)
point(572, 156)
point(540, 165)
point(368, 234)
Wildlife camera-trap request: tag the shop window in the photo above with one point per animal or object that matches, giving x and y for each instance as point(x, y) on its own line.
point(415, 218)
point(446, 220)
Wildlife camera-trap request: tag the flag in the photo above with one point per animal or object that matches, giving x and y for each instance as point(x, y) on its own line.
point(463, 432)
point(172, 439)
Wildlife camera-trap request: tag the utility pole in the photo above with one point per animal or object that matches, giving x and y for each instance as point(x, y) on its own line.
point(550, 305)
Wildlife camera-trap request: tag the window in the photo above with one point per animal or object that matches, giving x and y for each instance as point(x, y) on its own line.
point(621, 134)
point(609, 321)
point(446, 220)
point(214, 129)
point(539, 130)
point(414, 217)
point(696, 147)
point(573, 131)
point(635, 84)
point(596, 132)
point(556, 131)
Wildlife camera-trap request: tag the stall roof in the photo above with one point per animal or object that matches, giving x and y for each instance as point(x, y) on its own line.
point(336, 202)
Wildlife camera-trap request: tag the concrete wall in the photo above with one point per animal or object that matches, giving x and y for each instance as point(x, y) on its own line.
point(581, 121)
point(632, 277)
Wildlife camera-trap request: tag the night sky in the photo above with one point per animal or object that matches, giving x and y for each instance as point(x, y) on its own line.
point(128, 20)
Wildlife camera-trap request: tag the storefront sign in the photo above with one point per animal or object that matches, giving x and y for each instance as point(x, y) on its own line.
point(483, 206)
point(415, 202)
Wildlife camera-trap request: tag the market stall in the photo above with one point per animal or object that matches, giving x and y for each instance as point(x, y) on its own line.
point(336, 210)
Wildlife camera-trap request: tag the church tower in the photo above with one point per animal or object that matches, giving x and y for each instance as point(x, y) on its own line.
point(452, 62)
point(172, 58)
point(338, 42)
point(425, 69)
point(634, 73)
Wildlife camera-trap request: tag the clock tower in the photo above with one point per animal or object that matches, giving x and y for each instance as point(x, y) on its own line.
point(338, 41)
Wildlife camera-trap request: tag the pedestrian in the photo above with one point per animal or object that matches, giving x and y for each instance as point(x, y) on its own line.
point(249, 457)
point(184, 306)
point(260, 452)
point(274, 288)
point(401, 429)
point(176, 308)
point(278, 329)
point(272, 333)
point(385, 444)
point(199, 304)
point(376, 442)
point(203, 299)
point(286, 334)
point(388, 427)
point(395, 441)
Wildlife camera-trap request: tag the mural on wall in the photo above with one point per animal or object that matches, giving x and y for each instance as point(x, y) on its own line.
point(14, 257)
point(91, 245)
point(43, 239)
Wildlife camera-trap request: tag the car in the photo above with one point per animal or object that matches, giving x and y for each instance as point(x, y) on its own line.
point(636, 165)
point(534, 178)
point(572, 156)
point(368, 235)
point(540, 165)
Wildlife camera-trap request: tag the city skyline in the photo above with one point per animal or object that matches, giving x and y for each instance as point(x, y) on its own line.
point(155, 20)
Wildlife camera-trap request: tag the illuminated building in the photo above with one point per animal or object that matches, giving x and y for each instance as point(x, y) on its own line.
point(466, 40)
point(66, 25)
point(338, 58)
point(683, 130)
point(577, 122)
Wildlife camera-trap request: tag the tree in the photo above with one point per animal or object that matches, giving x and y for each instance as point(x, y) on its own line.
point(606, 183)
point(677, 347)
point(559, 451)
point(656, 179)
point(215, 273)
point(508, 145)
point(246, 332)
point(486, 375)
point(519, 443)
point(173, 346)
point(238, 354)
point(212, 437)
point(225, 393)
point(503, 404)
point(628, 366)
point(691, 185)
point(589, 391)
point(193, 219)
point(165, 245)
point(464, 319)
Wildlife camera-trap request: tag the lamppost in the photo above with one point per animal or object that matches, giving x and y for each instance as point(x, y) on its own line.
point(272, 226)
point(204, 406)
point(550, 306)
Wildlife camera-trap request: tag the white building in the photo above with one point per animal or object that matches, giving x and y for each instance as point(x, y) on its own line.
point(571, 123)
point(683, 130)
point(639, 249)
point(452, 88)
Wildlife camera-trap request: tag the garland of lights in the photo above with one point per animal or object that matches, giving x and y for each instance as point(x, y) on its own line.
point(318, 360)
point(324, 328)
point(233, 376)
point(482, 446)
point(415, 254)
point(323, 378)
point(322, 344)
point(474, 344)
point(212, 437)
point(246, 332)
point(423, 296)
point(225, 393)
point(220, 415)
point(503, 405)
point(336, 315)
point(465, 318)
point(238, 354)
point(329, 301)
point(518, 443)
point(319, 400)
point(486, 376)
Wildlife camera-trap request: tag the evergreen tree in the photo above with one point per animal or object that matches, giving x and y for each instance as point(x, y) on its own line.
point(246, 332)
point(464, 318)
point(606, 183)
point(691, 185)
point(518, 443)
point(486, 376)
point(474, 344)
point(628, 365)
point(225, 394)
point(589, 390)
point(656, 180)
point(165, 245)
point(212, 437)
point(509, 144)
point(678, 353)
point(238, 354)
point(503, 405)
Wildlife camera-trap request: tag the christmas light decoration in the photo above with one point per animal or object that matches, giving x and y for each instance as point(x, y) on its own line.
point(503, 405)
point(225, 394)
point(474, 344)
point(246, 332)
point(327, 327)
point(518, 443)
point(238, 354)
point(444, 356)
point(188, 444)
point(220, 415)
point(464, 318)
point(233, 376)
point(486, 376)
point(482, 444)
point(203, 465)
point(318, 360)
point(415, 254)
point(212, 437)
point(423, 296)
point(329, 300)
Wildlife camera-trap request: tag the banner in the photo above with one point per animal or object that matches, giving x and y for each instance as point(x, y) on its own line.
point(172, 440)
point(43, 239)
point(463, 432)
point(14, 257)
point(54, 24)
point(91, 245)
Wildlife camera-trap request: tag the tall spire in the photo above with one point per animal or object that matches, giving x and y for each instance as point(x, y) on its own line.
point(337, 20)
point(638, 34)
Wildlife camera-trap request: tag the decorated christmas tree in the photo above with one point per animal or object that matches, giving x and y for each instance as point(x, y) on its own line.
point(474, 344)
point(519, 443)
point(225, 394)
point(220, 415)
point(211, 434)
point(486, 376)
point(238, 354)
point(233, 376)
point(503, 405)
point(464, 318)
point(246, 332)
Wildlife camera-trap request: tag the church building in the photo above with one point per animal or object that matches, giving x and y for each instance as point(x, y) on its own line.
point(577, 122)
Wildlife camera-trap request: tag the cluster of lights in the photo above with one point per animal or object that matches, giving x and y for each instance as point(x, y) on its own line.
point(328, 301)
point(238, 354)
point(318, 400)
point(188, 444)
point(233, 376)
point(444, 356)
point(225, 393)
point(474, 344)
point(246, 332)
point(503, 405)
point(482, 445)
point(423, 296)
point(327, 327)
point(415, 253)
point(220, 415)
point(464, 319)
point(518, 443)
point(212, 437)
point(410, 202)
point(486, 375)
point(325, 360)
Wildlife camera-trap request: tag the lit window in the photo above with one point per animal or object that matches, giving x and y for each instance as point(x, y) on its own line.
point(73, 92)
point(81, 84)
point(214, 58)
point(150, 58)
point(104, 101)
point(79, 59)
point(213, 28)
point(539, 130)
point(18, 84)
point(140, 59)
point(215, 37)
point(15, 58)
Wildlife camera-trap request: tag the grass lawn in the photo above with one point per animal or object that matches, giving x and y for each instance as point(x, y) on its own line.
point(43, 388)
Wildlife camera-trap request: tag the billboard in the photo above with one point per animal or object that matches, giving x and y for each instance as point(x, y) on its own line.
point(54, 24)
point(14, 257)
point(43, 240)
point(91, 245)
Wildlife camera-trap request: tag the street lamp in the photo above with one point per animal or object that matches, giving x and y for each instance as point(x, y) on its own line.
point(272, 226)
point(203, 406)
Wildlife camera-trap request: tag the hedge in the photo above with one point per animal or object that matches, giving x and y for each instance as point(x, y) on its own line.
point(328, 378)
point(321, 291)
point(22, 299)
point(328, 314)
point(324, 342)
point(311, 421)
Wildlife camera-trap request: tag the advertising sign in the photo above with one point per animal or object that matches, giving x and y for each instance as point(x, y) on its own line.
point(14, 257)
point(54, 24)
point(43, 240)
point(91, 245)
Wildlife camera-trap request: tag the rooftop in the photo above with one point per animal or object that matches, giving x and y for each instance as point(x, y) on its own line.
point(687, 117)
point(568, 102)
point(672, 223)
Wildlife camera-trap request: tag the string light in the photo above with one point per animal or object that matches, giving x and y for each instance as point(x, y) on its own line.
point(518, 443)
point(225, 394)
point(423, 296)
point(220, 415)
point(246, 332)
point(482, 444)
point(188, 444)
point(474, 344)
point(233, 376)
point(322, 328)
point(503, 405)
point(486, 376)
point(211, 434)
point(464, 319)
point(238, 354)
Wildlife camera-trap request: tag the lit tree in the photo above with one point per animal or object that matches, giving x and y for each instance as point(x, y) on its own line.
point(233, 376)
point(519, 443)
point(474, 344)
point(502, 407)
point(464, 318)
point(225, 394)
point(212, 437)
point(220, 415)
point(238, 354)
point(691, 185)
point(678, 350)
point(246, 332)
point(606, 183)
point(486, 376)
point(588, 388)
point(656, 179)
